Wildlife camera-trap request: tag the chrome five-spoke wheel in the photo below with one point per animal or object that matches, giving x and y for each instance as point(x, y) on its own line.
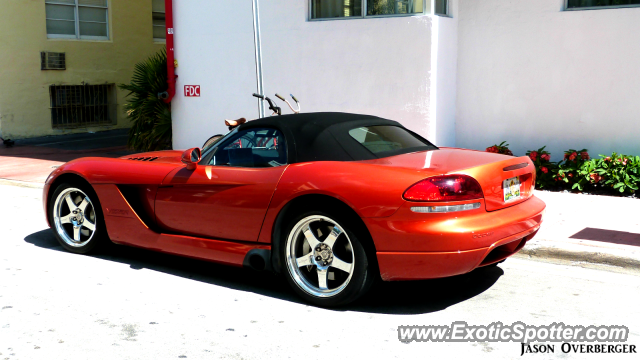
point(74, 217)
point(320, 256)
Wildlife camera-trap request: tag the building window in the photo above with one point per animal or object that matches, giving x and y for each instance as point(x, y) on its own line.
point(442, 7)
point(394, 7)
point(77, 19)
point(328, 9)
point(334, 9)
point(159, 33)
point(598, 4)
point(82, 105)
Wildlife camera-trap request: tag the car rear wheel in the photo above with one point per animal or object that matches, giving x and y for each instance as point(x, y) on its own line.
point(326, 263)
point(76, 217)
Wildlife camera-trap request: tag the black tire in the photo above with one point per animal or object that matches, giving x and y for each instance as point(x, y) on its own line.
point(357, 284)
point(98, 238)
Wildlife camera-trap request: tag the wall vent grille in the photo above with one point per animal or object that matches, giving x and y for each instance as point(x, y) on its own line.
point(52, 61)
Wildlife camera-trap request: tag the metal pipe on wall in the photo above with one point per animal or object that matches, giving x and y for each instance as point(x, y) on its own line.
point(171, 63)
point(258, 52)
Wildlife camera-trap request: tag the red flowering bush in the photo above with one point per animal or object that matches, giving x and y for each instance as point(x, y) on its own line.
point(615, 172)
point(575, 169)
point(578, 171)
point(545, 169)
point(502, 148)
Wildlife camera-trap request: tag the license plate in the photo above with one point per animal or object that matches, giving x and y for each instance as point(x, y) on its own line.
point(511, 189)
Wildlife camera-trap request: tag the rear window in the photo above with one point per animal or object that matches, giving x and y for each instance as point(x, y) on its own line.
point(386, 140)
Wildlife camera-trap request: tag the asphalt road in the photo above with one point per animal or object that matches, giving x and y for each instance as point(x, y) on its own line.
point(135, 304)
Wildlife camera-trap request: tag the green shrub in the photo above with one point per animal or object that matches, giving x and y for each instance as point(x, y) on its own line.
point(619, 172)
point(574, 169)
point(615, 174)
point(545, 169)
point(149, 115)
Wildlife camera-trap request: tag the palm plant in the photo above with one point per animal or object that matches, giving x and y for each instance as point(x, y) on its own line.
point(149, 115)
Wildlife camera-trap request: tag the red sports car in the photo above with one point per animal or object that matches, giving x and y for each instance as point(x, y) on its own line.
point(331, 201)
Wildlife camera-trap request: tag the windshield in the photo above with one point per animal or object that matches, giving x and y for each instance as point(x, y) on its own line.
point(387, 140)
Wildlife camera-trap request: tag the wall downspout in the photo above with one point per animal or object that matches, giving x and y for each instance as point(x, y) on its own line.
point(258, 53)
point(171, 62)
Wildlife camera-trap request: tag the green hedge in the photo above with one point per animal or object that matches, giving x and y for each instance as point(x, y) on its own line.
point(577, 171)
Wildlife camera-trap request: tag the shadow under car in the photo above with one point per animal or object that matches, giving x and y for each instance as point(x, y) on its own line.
point(401, 297)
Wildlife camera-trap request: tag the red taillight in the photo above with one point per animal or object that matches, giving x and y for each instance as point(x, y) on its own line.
point(445, 188)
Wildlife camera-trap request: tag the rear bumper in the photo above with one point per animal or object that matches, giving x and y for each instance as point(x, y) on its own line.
point(416, 266)
point(413, 246)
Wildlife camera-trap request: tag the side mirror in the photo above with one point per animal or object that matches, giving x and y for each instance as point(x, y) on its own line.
point(191, 157)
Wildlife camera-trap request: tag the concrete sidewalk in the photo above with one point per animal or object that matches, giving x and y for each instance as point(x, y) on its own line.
point(576, 228)
point(588, 228)
point(30, 161)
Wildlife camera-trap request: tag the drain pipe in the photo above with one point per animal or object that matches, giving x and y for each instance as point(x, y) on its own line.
point(258, 52)
point(172, 64)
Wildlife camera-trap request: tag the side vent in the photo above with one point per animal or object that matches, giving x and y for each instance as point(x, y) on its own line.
point(52, 61)
point(140, 198)
point(143, 158)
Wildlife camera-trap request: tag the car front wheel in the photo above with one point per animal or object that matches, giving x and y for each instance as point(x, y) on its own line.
point(76, 218)
point(326, 263)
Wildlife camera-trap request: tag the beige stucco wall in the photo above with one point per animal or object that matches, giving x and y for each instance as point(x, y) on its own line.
point(24, 88)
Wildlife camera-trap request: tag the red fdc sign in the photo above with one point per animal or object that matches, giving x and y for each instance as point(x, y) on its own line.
point(192, 90)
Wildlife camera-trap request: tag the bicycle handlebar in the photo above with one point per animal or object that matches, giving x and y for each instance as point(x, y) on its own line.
point(272, 106)
point(276, 109)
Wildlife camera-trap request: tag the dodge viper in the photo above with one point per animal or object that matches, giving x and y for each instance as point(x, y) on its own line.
point(331, 201)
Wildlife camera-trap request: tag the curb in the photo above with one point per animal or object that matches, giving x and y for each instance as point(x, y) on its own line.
point(21, 184)
point(593, 252)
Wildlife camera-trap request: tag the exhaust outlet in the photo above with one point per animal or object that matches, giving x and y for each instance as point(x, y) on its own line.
point(258, 260)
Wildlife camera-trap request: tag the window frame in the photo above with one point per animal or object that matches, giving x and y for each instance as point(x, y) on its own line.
point(76, 21)
point(74, 102)
point(364, 15)
point(567, 8)
point(446, 10)
point(164, 27)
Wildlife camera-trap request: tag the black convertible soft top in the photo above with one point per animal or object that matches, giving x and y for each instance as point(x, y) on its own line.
point(325, 136)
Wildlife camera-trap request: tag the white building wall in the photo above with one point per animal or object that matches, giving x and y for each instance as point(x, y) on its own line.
point(378, 66)
point(444, 55)
point(215, 49)
point(535, 75)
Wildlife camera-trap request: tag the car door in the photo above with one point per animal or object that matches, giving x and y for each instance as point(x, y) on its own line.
point(228, 193)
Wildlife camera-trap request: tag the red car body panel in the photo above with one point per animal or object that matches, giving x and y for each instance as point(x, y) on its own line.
point(216, 202)
point(220, 213)
point(125, 227)
point(116, 171)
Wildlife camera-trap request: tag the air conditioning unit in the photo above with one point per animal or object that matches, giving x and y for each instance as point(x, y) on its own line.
point(52, 61)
